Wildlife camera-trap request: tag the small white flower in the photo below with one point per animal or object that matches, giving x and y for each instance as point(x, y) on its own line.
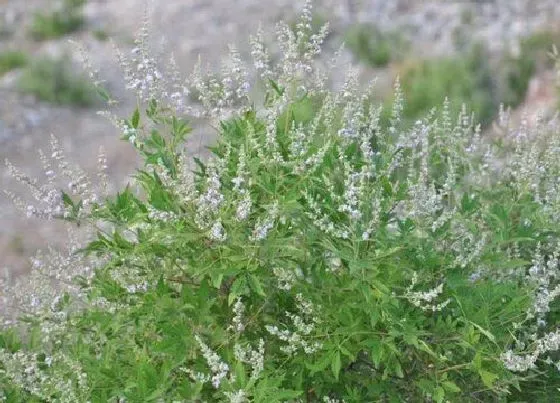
point(217, 232)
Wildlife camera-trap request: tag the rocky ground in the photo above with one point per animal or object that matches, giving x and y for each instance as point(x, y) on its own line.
point(205, 27)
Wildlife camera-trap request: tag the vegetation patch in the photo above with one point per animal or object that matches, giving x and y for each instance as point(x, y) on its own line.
point(321, 254)
point(66, 19)
point(463, 80)
point(12, 59)
point(373, 47)
point(54, 80)
point(100, 34)
point(533, 57)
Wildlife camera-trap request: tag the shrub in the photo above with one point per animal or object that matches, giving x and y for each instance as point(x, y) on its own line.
point(532, 58)
point(52, 80)
point(318, 257)
point(475, 79)
point(464, 80)
point(60, 22)
point(369, 45)
point(101, 35)
point(11, 59)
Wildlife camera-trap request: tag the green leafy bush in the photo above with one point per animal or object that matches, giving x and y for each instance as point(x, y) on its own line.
point(318, 255)
point(532, 58)
point(371, 46)
point(477, 79)
point(52, 80)
point(11, 59)
point(65, 20)
point(464, 80)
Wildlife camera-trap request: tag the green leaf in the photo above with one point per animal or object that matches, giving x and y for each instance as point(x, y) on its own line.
point(103, 93)
point(276, 87)
point(487, 377)
point(240, 375)
point(200, 165)
point(382, 254)
point(180, 129)
point(348, 353)
point(411, 339)
point(477, 361)
point(217, 280)
point(135, 119)
point(156, 394)
point(423, 346)
point(439, 394)
point(336, 364)
point(376, 352)
point(387, 186)
point(426, 385)
point(451, 387)
point(281, 395)
point(68, 202)
point(256, 285)
point(468, 203)
point(152, 109)
point(320, 365)
point(238, 288)
point(157, 139)
point(161, 288)
point(485, 332)
point(121, 242)
point(398, 370)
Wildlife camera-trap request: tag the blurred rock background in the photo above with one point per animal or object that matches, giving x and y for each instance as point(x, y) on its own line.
point(482, 52)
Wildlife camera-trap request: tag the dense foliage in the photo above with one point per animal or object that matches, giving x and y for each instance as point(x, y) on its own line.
point(320, 253)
